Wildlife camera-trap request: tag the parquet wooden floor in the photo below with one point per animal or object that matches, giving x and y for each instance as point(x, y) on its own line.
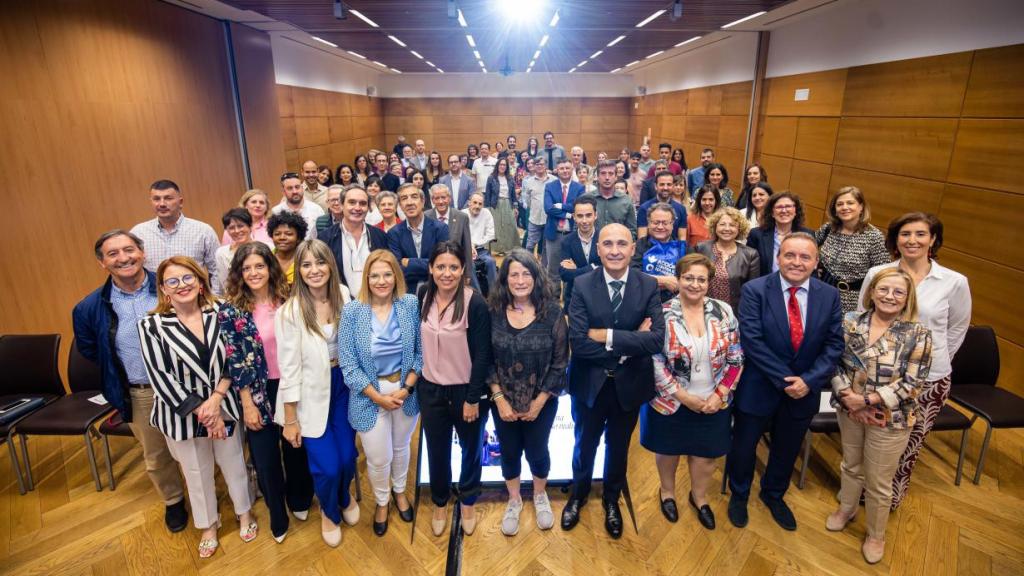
point(66, 527)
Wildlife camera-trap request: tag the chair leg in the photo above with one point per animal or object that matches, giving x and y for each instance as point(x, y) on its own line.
point(29, 481)
point(984, 450)
point(359, 489)
point(110, 465)
point(91, 455)
point(16, 465)
point(725, 480)
point(807, 457)
point(960, 459)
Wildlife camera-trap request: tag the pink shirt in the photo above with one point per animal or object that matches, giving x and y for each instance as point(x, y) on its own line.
point(259, 234)
point(445, 348)
point(263, 315)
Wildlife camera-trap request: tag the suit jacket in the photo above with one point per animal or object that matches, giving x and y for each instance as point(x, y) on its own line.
point(334, 239)
point(458, 231)
point(467, 185)
point(402, 246)
point(763, 240)
point(572, 249)
point(647, 191)
point(744, 266)
point(389, 182)
point(764, 334)
point(355, 355)
point(494, 188)
point(591, 307)
point(552, 196)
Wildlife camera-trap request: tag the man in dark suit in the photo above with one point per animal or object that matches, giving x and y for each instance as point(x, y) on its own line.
point(414, 239)
point(460, 184)
point(615, 325)
point(579, 250)
point(351, 240)
point(388, 181)
point(791, 332)
point(559, 197)
point(457, 222)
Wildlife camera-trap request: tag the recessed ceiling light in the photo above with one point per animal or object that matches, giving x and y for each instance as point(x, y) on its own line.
point(485, 70)
point(543, 40)
point(596, 54)
point(480, 62)
point(655, 54)
point(649, 18)
point(380, 64)
point(536, 54)
point(741, 20)
point(356, 54)
point(554, 19)
point(319, 39)
point(462, 20)
point(476, 54)
point(571, 70)
point(416, 54)
point(614, 71)
point(616, 41)
point(532, 62)
point(469, 38)
point(528, 70)
point(685, 42)
point(631, 63)
point(441, 71)
point(367, 20)
point(396, 71)
point(396, 41)
point(431, 64)
point(581, 64)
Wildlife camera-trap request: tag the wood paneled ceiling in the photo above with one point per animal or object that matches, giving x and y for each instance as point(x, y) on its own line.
point(507, 33)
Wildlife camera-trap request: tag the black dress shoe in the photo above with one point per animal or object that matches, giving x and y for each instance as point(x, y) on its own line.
point(571, 513)
point(176, 517)
point(381, 528)
point(613, 519)
point(781, 513)
point(704, 514)
point(668, 508)
point(738, 512)
point(405, 515)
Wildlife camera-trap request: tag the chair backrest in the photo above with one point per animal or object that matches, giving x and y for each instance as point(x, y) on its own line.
point(28, 364)
point(977, 360)
point(83, 374)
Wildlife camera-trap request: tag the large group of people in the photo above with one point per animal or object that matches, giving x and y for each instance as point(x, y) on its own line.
point(388, 293)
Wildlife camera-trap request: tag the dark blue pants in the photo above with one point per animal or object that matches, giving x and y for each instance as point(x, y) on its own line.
point(441, 407)
point(332, 457)
point(606, 417)
point(787, 436)
point(529, 437)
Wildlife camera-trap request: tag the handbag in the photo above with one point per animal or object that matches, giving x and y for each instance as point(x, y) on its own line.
point(822, 272)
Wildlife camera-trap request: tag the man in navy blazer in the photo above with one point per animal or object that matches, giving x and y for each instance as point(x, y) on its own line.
point(414, 239)
point(559, 197)
point(353, 238)
point(615, 325)
point(577, 259)
point(459, 183)
point(791, 332)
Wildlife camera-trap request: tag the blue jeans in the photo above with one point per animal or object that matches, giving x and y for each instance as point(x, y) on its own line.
point(332, 456)
point(490, 267)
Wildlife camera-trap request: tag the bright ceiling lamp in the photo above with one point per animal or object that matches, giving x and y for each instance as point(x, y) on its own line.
point(742, 20)
point(367, 20)
point(649, 18)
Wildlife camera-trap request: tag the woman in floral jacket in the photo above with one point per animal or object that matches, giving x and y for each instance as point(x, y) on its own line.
point(256, 287)
point(695, 376)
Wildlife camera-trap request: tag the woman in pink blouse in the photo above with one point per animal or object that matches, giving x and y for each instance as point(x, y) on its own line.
point(257, 203)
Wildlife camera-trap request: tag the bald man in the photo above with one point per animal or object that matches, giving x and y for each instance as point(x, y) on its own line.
point(615, 325)
point(312, 189)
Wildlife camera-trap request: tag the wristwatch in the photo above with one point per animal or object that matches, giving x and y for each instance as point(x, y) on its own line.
point(409, 389)
point(867, 400)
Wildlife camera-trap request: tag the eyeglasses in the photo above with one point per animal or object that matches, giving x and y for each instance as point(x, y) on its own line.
point(186, 280)
point(897, 293)
point(785, 207)
point(698, 280)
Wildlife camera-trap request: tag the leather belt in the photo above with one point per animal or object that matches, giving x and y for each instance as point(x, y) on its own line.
point(610, 374)
point(146, 385)
point(334, 363)
point(849, 286)
point(393, 377)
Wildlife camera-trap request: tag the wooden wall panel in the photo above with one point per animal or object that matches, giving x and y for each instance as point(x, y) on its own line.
point(778, 135)
point(732, 132)
point(285, 109)
point(557, 124)
point(702, 129)
point(995, 292)
point(288, 136)
point(918, 147)
point(779, 169)
point(339, 104)
point(312, 131)
point(341, 128)
point(603, 123)
point(965, 210)
point(705, 101)
point(989, 154)
point(732, 159)
point(922, 87)
point(410, 126)
point(515, 125)
point(825, 99)
point(1011, 366)
point(816, 139)
point(307, 102)
point(811, 181)
point(673, 127)
point(604, 107)
point(350, 125)
point(993, 90)
point(254, 65)
point(675, 103)
point(736, 98)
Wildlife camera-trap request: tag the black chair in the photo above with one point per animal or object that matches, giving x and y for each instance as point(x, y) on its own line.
point(71, 415)
point(113, 426)
point(29, 365)
point(975, 373)
point(821, 423)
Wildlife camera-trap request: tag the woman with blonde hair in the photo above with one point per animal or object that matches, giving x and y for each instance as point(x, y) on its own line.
point(194, 404)
point(875, 392)
point(312, 400)
point(257, 203)
point(735, 263)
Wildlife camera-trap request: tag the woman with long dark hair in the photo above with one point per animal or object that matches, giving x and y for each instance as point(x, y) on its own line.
point(500, 198)
point(754, 174)
point(362, 169)
point(783, 214)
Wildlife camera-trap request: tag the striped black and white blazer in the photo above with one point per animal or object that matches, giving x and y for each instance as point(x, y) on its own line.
point(181, 380)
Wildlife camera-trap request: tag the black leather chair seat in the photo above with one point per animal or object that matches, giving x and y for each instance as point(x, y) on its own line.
point(1003, 409)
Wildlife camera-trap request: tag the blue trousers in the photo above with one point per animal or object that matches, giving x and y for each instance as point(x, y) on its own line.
point(332, 456)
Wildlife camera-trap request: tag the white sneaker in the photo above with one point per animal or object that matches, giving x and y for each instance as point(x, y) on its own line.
point(510, 522)
point(545, 517)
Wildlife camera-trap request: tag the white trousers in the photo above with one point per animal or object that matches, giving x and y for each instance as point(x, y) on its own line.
point(196, 457)
point(386, 446)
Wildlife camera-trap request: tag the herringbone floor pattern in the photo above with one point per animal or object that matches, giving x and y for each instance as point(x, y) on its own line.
point(66, 527)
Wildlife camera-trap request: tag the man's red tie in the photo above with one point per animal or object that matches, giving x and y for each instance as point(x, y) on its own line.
point(796, 326)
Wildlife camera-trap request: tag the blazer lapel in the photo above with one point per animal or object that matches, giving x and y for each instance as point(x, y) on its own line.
point(603, 299)
point(410, 246)
point(777, 309)
point(177, 337)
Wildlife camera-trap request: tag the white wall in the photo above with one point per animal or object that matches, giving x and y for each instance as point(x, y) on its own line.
point(297, 64)
point(530, 85)
point(714, 60)
point(857, 32)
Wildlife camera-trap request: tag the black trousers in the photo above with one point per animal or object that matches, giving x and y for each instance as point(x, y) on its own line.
point(441, 408)
point(530, 437)
point(609, 417)
point(291, 484)
point(787, 436)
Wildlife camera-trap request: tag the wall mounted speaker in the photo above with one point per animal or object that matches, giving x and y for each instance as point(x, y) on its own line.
point(371, 90)
point(641, 90)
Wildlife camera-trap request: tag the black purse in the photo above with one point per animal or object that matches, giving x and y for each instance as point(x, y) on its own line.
point(822, 272)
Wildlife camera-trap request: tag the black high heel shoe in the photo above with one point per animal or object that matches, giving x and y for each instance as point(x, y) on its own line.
point(381, 528)
point(405, 515)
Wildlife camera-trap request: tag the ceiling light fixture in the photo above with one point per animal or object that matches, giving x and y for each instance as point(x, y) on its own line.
point(571, 70)
point(480, 62)
point(485, 70)
point(580, 65)
point(614, 71)
point(431, 64)
point(685, 42)
point(380, 64)
point(396, 41)
point(631, 63)
point(396, 71)
point(476, 54)
point(729, 25)
point(659, 52)
point(356, 54)
point(416, 54)
point(469, 38)
point(319, 39)
point(441, 71)
point(616, 41)
point(554, 19)
point(543, 40)
point(536, 54)
point(462, 20)
point(532, 62)
point(596, 54)
point(367, 20)
point(649, 18)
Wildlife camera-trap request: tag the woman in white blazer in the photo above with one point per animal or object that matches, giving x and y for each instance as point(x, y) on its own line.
point(312, 399)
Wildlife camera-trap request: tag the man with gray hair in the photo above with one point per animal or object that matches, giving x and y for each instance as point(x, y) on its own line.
point(456, 220)
point(351, 240)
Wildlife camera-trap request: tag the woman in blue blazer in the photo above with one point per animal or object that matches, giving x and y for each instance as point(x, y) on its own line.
point(783, 214)
point(379, 351)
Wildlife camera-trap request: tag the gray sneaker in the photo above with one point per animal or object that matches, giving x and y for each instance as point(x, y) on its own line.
point(545, 517)
point(510, 522)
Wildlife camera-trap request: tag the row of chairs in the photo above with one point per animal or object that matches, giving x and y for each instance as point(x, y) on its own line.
point(29, 364)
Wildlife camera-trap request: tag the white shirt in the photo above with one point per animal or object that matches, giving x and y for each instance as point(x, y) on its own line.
point(801, 298)
point(482, 171)
point(456, 186)
point(309, 212)
point(219, 279)
point(586, 243)
point(354, 255)
point(943, 306)
point(532, 197)
point(481, 228)
point(610, 333)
